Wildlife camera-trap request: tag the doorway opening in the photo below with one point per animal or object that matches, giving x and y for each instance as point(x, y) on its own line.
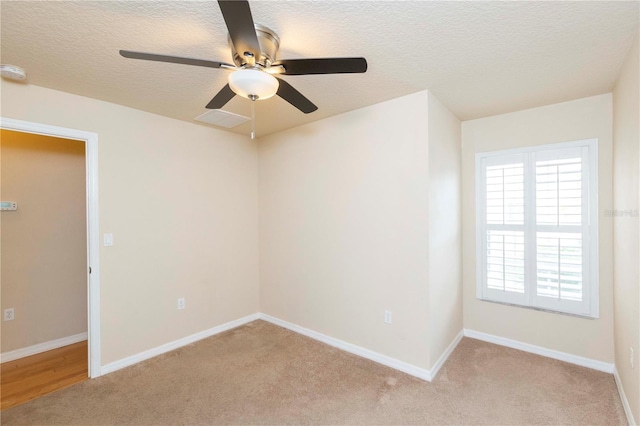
point(83, 347)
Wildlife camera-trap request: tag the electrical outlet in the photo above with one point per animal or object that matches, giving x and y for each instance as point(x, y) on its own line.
point(631, 357)
point(9, 314)
point(388, 319)
point(181, 303)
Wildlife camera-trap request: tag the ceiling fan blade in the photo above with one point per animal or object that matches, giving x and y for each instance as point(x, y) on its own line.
point(295, 98)
point(323, 66)
point(220, 100)
point(237, 15)
point(174, 59)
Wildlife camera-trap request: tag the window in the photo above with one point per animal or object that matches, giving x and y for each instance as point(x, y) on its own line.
point(537, 227)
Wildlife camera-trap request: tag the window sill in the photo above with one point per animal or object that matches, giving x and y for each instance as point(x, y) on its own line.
point(534, 308)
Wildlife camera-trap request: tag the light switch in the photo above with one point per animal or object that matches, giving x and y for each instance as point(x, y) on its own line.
point(108, 240)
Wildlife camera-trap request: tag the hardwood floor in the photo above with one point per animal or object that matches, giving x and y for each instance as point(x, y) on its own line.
point(31, 377)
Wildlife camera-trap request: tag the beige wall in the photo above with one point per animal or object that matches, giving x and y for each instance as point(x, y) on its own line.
point(445, 229)
point(181, 202)
point(626, 228)
point(44, 250)
point(354, 210)
point(575, 120)
point(344, 227)
point(350, 208)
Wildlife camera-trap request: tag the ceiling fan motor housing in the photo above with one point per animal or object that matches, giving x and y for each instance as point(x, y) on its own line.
point(269, 44)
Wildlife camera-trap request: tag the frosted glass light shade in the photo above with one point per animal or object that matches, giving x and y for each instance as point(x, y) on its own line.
point(253, 82)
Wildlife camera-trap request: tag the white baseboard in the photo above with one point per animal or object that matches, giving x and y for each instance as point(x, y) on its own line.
point(623, 398)
point(396, 364)
point(42, 347)
point(348, 347)
point(445, 355)
point(539, 350)
point(167, 347)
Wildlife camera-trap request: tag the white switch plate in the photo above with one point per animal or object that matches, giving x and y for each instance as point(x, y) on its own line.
point(9, 314)
point(108, 240)
point(181, 303)
point(388, 319)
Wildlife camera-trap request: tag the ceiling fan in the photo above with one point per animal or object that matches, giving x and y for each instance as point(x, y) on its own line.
point(254, 50)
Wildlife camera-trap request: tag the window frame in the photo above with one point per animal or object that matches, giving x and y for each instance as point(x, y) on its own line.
point(589, 306)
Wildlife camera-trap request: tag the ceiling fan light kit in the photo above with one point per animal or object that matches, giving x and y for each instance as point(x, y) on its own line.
point(254, 49)
point(253, 84)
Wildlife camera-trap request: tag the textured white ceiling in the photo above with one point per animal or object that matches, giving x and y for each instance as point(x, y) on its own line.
point(478, 58)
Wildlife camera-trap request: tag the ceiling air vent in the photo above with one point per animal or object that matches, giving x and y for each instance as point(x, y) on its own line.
point(221, 118)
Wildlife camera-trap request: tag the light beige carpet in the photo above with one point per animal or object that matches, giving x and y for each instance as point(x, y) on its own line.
point(263, 374)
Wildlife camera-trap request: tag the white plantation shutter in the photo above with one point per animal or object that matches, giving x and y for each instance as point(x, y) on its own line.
point(505, 194)
point(505, 261)
point(559, 265)
point(562, 200)
point(537, 227)
point(503, 198)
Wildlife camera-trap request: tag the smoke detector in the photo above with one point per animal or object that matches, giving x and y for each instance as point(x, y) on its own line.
point(12, 72)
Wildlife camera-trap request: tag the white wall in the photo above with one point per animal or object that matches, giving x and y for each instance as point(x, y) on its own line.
point(344, 227)
point(626, 227)
point(181, 201)
point(445, 229)
point(575, 120)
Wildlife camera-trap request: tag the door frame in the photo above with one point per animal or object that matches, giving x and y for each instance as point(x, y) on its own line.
point(93, 225)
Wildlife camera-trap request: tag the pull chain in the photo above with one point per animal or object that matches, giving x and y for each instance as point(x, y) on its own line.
point(253, 116)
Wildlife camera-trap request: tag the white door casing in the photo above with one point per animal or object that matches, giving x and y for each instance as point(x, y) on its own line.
point(93, 238)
